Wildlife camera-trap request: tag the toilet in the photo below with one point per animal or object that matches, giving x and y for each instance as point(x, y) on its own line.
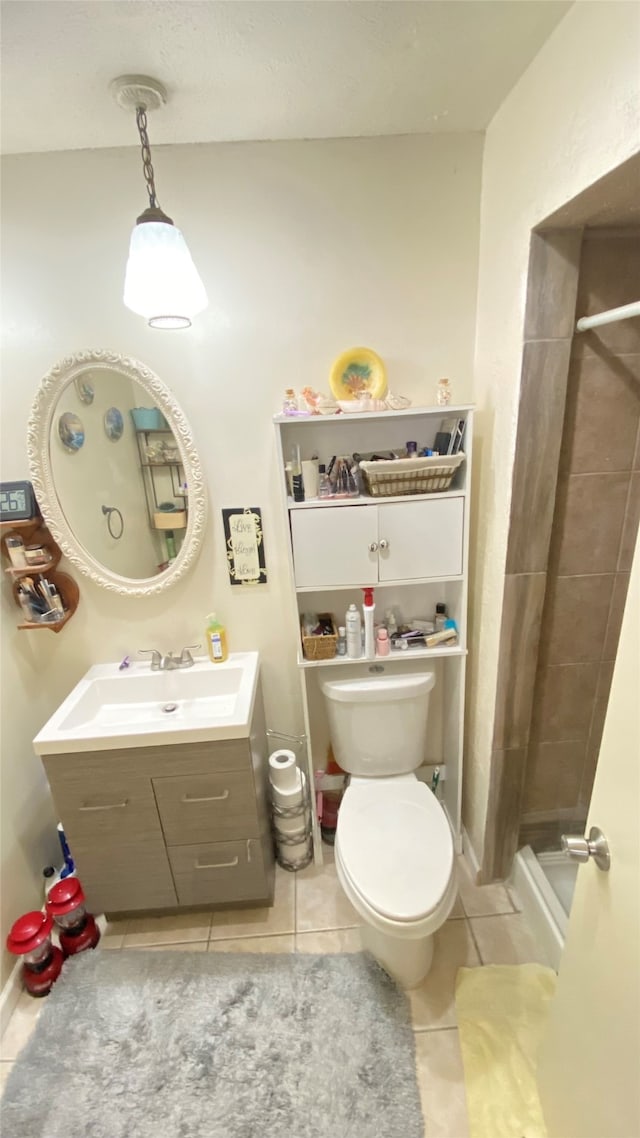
point(394, 849)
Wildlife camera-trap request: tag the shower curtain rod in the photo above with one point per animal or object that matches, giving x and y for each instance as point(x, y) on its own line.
point(609, 317)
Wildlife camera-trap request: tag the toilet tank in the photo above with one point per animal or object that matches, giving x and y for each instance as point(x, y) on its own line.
point(378, 724)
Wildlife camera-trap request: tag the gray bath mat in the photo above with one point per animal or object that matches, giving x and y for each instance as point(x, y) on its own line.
point(139, 1044)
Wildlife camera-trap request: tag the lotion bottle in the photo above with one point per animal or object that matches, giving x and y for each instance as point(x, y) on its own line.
point(368, 610)
point(353, 626)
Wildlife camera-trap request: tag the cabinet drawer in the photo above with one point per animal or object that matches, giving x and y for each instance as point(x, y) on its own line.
point(114, 807)
point(207, 807)
point(218, 872)
point(122, 877)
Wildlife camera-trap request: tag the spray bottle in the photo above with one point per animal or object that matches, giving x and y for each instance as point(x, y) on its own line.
point(368, 610)
point(354, 640)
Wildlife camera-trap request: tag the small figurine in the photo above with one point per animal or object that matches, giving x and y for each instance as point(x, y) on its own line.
point(308, 401)
point(290, 403)
point(443, 395)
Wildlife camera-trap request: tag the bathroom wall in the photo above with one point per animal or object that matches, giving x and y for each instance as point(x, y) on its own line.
point(593, 536)
point(305, 248)
point(106, 472)
point(572, 117)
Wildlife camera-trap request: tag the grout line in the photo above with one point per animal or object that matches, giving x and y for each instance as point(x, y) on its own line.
point(486, 916)
point(331, 929)
point(473, 937)
point(549, 339)
point(250, 936)
point(626, 511)
point(579, 576)
point(295, 909)
point(596, 474)
point(160, 944)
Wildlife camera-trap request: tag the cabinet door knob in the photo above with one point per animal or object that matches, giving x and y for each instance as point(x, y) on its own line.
point(384, 544)
point(373, 547)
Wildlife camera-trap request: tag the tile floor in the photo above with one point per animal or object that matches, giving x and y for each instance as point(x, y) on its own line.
point(311, 914)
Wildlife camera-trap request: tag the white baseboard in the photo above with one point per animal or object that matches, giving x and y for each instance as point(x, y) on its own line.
point(470, 854)
point(10, 995)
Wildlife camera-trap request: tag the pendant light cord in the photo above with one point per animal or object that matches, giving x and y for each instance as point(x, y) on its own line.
point(141, 120)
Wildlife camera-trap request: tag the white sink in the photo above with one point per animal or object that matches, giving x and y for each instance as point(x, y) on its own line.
point(109, 709)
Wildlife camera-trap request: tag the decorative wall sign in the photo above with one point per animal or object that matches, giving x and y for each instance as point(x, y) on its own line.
point(71, 431)
point(113, 424)
point(245, 546)
point(84, 390)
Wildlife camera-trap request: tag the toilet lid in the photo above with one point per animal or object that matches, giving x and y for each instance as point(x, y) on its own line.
point(396, 847)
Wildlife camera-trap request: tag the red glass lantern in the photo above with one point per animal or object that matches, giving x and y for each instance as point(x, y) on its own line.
point(30, 938)
point(77, 928)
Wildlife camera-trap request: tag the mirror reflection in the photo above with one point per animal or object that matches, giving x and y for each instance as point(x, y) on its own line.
point(118, 475)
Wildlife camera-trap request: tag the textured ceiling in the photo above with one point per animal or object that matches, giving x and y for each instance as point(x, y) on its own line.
point(266, 70)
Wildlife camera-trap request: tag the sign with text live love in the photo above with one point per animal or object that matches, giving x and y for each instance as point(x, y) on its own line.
point(245, 546)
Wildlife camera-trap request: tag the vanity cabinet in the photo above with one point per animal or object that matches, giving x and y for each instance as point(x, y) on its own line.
point(366, 544)
point(168, 826)
point(412, 549)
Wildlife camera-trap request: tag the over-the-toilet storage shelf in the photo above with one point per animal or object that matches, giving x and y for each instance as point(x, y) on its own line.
point(333, 551)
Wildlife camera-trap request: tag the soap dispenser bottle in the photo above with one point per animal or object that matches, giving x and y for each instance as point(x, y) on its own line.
point(216, 638)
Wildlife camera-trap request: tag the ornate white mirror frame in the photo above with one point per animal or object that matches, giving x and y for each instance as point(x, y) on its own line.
point(38, 445)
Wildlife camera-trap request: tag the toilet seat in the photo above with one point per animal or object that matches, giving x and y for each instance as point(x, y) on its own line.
point(395, 849)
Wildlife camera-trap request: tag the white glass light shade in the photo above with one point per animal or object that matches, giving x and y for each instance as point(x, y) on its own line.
point(161, 281)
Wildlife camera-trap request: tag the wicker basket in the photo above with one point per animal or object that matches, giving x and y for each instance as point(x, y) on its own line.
point(320, 647)
point(426, 475)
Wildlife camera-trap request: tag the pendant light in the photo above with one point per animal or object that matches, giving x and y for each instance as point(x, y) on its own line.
point(161, 280)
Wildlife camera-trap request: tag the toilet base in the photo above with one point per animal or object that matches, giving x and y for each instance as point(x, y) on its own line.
point(407, 961)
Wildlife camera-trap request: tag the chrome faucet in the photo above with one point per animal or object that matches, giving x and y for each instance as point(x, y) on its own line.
point(170, 663)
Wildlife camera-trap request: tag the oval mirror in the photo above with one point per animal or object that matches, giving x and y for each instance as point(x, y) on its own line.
point(116, 472)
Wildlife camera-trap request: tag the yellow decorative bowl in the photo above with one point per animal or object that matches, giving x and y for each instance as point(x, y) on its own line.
point(357, 372)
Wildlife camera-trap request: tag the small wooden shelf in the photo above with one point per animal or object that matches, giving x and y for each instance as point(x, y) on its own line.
point(53, 626)
point(29, 570)
point(26, 527)
point(32, 531)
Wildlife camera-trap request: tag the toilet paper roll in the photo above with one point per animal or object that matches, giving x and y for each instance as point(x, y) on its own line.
point(297, 852)
point(283, 771)
point(289, 798)
point(291, 826)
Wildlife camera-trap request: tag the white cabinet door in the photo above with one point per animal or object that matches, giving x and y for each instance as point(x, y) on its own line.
point(331, 546)
point(423, 539)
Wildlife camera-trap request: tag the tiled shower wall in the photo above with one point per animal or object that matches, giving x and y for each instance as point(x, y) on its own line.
point(593, 536)
point(574, 515)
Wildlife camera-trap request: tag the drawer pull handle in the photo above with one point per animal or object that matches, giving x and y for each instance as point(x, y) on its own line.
point(218, 864)
point(207, 798)
point(109, 806)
